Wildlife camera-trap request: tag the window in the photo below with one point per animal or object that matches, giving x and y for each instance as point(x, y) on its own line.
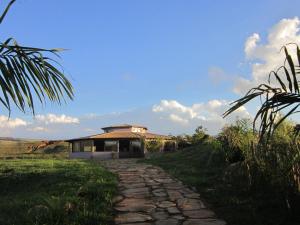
point(111, 146)
point(87, 146)
point(136, 146)
point(76, 146)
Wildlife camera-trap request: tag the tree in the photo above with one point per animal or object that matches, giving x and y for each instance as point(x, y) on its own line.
point(27, 73)
point(281, 95)
point(200, 135)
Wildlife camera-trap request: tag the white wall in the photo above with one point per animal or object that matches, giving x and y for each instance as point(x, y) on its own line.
point(91, 155)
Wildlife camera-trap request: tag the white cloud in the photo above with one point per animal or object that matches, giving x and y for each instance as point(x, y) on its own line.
point(56, 119)
point(265, 57)
point(217, 75)
point(6, 122)
point(251, 44)
point(38, 129)
point(178, 119)
point(174, 106)
point(208, 114)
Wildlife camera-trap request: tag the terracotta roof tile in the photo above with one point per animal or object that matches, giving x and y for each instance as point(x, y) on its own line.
point(123, 134)
point(125, 126)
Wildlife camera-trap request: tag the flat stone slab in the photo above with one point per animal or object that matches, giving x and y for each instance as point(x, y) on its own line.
point(136, 190)
point(160, 215)
point(132, 218)
point(173, 210)
point(170, 221)
point(166, 204)
point(149, 196)
point(190, 204)
point(204, 222)
point(174, 195)
point(199, 214)
point(135, 205)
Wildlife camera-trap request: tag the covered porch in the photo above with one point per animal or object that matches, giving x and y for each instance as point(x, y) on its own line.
point(107, 148)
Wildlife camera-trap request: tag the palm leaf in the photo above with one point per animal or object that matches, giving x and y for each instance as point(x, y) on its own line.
point(275, 100)
point(24, 70)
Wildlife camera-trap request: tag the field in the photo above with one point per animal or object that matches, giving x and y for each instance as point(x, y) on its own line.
point(204, 169)
point(19, 149)
point(43, 187)
point(55, 191)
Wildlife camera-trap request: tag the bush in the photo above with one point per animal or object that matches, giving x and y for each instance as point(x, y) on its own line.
point(237, 140)
point(154, 145)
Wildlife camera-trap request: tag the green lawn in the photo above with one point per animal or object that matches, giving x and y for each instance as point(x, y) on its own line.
point(204, 168)
point(55, 191)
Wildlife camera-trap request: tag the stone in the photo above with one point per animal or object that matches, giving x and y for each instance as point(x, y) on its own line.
point(173, 210)
point(138, 195)
point(199, 214)
point(136, 190)
point(186, 191)
point(178, 217)
point(170, 221)
point(149, 196)
point(190, 204)
point(135, 205)
point(160, 215)
point(117, 199)
point(173, 186)
point(159, 193)
point(192, 195)
point(166, 204)
point(204, 222)
point(138, 224)
point(174, 195)
point(164, 181)
point(132, 218)
point(134, 185)
point(160, 199)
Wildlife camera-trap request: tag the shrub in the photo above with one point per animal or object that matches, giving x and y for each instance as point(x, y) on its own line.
point(199, 136)
point(154, 145)
point(237, 140)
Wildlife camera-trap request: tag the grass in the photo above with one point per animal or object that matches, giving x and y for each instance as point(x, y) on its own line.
point(204, 168)
point(55, 191)
point(18, 149)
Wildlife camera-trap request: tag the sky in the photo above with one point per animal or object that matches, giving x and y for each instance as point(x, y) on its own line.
point(170, 65)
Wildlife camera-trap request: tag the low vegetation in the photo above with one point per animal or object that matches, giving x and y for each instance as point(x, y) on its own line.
point(23, 149)
point(243, 181)
point(55, 191)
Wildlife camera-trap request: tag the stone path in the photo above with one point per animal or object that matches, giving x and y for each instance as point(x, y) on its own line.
point(148, 195)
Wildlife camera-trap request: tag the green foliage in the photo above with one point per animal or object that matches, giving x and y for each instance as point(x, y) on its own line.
point(51, 192)
point(154, 145)
point(28, 72)
point(183, 141)
point(237, 140)
point(226, 186)
point(199, 136)
point(246, 180)
point(280, 93)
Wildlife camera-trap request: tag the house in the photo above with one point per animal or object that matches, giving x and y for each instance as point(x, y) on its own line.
point(120, 141)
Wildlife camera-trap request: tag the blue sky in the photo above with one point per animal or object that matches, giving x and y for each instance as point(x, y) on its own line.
point(127, 56)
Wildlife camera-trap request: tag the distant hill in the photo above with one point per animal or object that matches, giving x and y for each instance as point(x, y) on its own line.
point(16, 139)
point(21, 148)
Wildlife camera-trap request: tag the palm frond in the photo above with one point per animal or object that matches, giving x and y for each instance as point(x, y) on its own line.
point(27, 71)
point(277, 97)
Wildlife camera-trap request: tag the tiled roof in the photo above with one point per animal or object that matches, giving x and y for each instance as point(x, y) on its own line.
point(116, 135)
point(123, 134)
point(124, 126)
